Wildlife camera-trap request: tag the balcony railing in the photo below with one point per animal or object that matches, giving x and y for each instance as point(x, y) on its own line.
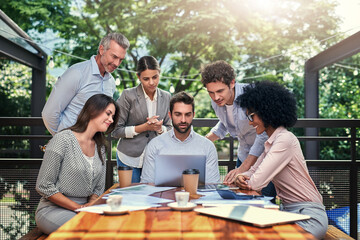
point(336, 179)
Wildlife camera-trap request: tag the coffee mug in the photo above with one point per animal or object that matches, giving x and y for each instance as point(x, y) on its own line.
point(182, 198)
point(114, 202)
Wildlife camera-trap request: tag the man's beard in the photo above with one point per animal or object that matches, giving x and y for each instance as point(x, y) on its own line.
point(110, 68)
point(180, 130)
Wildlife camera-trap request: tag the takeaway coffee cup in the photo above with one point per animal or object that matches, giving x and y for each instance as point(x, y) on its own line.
point(125, 175)
point(191, 180)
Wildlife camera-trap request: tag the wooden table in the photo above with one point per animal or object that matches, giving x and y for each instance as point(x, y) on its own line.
point(164, 223)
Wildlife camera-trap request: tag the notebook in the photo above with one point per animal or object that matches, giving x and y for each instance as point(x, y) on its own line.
point(169, 168)
point(256, 216)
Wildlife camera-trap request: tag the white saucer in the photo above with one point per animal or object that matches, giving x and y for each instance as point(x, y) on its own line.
point(189, 206)
point(114, 213)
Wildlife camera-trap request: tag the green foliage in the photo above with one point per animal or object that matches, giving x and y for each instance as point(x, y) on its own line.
point(339, 91)
point(181, 34)
point(15, 89)
point(42, 15)
point(15, 82)
point(16, 228)
point(23, 194)
point(15, 99)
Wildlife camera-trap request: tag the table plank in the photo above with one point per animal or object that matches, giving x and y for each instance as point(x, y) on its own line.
point(99, 235)
point(83, 221)
point(66, 235)
point(109, 224)
point(165, 223)
point(192, 221)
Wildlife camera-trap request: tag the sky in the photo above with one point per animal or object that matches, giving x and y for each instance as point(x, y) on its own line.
point(349, 11)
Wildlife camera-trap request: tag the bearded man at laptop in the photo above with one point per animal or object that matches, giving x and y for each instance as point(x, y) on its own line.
point(181, 140)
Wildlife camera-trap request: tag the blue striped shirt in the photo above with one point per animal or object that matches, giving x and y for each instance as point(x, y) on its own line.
point(72, 89)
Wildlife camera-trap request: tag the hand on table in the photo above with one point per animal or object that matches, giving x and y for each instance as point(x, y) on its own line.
point(84, 205)
point(231, 176)
point(241, 181)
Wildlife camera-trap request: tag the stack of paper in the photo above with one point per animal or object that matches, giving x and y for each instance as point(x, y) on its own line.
point(214, 199)
point(134, 198)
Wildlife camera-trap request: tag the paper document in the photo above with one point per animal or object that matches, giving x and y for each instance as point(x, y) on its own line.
point(139, 200)
point(254, 215)
point(104, 207)
point(214, 199)
point(142, 189)
point(130, 202)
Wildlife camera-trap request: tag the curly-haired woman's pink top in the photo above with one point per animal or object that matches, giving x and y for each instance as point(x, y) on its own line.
point(283, 163)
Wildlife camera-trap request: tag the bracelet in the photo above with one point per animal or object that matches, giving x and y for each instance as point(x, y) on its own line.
point(160, 132)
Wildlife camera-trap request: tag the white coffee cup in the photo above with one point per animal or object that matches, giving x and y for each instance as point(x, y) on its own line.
point(182, 198)
point(114, 202)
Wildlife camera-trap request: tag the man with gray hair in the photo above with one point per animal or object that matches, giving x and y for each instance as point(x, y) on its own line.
point(83, 80)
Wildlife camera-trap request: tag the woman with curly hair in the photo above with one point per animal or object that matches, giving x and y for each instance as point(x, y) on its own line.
point(272, 108)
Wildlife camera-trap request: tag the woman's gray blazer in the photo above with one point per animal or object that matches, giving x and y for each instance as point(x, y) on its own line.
point(133, 112)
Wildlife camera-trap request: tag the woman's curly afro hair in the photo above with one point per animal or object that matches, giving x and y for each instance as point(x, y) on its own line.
point(272, 102)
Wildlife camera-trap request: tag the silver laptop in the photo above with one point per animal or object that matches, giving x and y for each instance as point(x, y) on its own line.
point(169, 168)
point(256, 216)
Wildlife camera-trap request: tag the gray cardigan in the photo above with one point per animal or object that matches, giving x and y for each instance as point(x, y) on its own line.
point(64, 169)
point(133, 112)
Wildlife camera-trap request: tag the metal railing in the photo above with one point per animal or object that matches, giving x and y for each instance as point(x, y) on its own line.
point(352, 164)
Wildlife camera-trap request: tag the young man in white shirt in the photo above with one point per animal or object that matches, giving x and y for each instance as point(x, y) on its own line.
point(182, 139)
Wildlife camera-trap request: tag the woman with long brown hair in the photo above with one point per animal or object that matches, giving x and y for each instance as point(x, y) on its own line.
point(72, 173)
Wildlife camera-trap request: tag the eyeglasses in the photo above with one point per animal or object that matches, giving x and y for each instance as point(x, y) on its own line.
point(250, 116)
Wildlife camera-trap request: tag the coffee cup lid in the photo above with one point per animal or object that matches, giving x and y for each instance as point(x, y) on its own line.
point(124, 168)
point(191, 171)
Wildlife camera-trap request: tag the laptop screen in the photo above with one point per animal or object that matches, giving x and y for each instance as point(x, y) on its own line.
point(169, 168)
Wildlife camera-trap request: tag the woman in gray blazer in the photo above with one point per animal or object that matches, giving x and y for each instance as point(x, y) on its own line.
point(143, 116)
point(72, 173)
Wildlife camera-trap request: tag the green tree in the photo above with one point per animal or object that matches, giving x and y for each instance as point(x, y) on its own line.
point(15, 99)
point(184, 34)
point(339, 98)
point(42, 15)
